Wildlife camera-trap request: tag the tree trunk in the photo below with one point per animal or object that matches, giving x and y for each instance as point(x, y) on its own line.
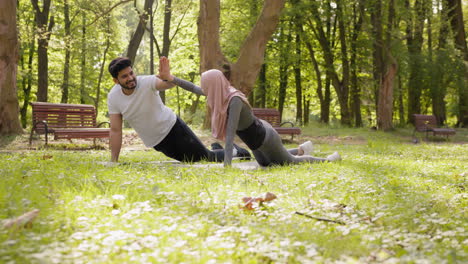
point(103, 64)
point(298, 19)
point(414, 43)
point(385, 104)
point(83, 60)
point(458, 29)
point(245, 71)
point(135, 41)
point(324, 104)
point(297, 78)
point(166, 39)
point(341, 86)
point(262, 87)
point(385, 98)
point(355, 93)
point(44, 30)
point(66, 66)
point(343, 95)
point(27, 84)
point(211, 56)
point(438, 88)
point(9, 108)
point(284, 46)
point(377, 52)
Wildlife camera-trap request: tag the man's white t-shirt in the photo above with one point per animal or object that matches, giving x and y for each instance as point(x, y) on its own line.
point(143, 110)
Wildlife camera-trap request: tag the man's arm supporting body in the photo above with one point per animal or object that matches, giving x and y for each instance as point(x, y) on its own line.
point(115, 140)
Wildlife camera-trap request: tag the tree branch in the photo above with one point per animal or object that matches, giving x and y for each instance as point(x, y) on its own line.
point(106, 11)
point(320, 219)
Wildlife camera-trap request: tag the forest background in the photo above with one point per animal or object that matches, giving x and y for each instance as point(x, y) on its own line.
point(356, 62)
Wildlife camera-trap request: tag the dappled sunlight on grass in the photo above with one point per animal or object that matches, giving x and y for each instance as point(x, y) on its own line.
point(388, 201)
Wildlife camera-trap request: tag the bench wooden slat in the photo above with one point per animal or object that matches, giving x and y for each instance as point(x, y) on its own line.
point(66, 121)
point(273, 117)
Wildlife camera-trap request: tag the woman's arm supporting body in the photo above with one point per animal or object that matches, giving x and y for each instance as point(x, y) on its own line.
point(239, 117)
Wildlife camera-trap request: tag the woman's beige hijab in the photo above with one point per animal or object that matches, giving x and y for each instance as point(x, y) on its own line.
point(219, 93)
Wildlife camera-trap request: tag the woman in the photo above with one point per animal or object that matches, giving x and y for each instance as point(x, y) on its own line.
point(231, 114)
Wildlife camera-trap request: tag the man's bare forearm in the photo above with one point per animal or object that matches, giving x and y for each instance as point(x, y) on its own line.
point(115, 142)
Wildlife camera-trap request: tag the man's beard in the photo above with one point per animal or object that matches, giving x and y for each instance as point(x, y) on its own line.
point(125, 86)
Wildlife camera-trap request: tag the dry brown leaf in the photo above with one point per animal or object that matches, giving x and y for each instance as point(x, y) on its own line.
point(249, 201)
point(24, 220)
point(46, 157)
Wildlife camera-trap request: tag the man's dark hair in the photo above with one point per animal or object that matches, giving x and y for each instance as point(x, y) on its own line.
point(118, 64)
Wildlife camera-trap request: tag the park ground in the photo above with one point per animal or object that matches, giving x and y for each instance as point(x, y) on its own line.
point(388, 201)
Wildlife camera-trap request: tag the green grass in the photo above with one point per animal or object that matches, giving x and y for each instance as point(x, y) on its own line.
point(400, 202)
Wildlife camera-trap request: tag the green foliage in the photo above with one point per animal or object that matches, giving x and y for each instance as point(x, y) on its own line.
point(400, 202)
point(237, 19)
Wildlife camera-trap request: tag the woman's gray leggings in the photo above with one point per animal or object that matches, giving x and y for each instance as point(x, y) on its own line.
point(272, 152)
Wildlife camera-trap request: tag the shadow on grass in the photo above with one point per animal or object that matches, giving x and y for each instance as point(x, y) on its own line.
point(7, 140)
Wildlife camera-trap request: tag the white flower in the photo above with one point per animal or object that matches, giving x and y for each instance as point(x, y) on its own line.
point(118, 197)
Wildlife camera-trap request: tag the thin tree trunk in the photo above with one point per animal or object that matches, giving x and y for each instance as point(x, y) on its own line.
point(377, 54)
point(83, 60)
point(297, 18)
point(438, 89)
point(355, 93)
point(9, 108)
point(284, 48)
point(262, 87)
point(297, 78)
point(322, 95)
point(456, 21)
point(414, 42)
point(66, 65)
point(135, 41)
point(341, 86)
point(166, 39)
point(103, 63)
point(44, 30)
point(27, 80)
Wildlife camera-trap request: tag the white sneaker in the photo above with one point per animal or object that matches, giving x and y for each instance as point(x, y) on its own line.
point(334, 157)
point(307, 147)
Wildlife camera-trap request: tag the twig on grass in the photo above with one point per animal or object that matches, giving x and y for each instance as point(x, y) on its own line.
point(320, 219)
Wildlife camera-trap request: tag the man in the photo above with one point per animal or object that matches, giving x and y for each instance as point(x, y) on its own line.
point(136, 98)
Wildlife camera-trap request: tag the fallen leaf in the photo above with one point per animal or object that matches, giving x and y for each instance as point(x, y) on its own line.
point(24, 220)
point(249, 201)
point(46, 157)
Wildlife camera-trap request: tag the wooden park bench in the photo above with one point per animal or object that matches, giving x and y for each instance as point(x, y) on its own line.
point(273, 116)
point(66, 121)
point(428, 124)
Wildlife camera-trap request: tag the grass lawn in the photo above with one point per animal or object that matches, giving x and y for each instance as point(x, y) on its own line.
point(387, 201)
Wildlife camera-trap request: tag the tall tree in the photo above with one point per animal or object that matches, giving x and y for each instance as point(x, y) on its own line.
point(284, 46)
point(341, 85)
point(26, 25)
point(140, 30)
point(44, 30)
point(355, 90)
point(458, 30)
point(66, 63)
point(414, 37)
point(84, 52)
point(297, 18)
point(245, 70)
point(389, 67)
point(9, 108)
